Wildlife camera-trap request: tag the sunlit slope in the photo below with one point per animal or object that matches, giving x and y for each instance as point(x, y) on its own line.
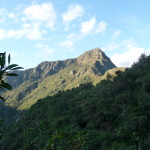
point(50, 77)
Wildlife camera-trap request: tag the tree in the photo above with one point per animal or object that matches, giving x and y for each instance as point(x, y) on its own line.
point(6, 69)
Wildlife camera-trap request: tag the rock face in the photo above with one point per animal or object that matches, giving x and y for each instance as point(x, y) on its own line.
point(42, 71)
point(94, 54)
point(98, 59)
point(50, 77)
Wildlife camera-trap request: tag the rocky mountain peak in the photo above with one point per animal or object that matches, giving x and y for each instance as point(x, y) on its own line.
point(92, 55)
point(50, 77)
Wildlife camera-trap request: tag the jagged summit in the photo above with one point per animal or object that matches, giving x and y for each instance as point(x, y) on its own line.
point(92, 55)
point(97, 59)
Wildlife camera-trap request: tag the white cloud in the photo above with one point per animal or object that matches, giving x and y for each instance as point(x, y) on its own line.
point(15, 33)
point(116, 34)
point(2, 34)
point(11, 15)
point(71, 39)
point(101, 27)
point(88, 26)
point(28, 31)
point(26, 25)
point(3, 14)
point(34, 19)
point(2, 20)
point(91, 26)
point(74, 37)
point(131, 55)
point(120, 45)
point(41, 13)
point(112, 46)
point(74, 11)
point(67, 43)
point(45, 51)
point(34, 32)
point(2, 11)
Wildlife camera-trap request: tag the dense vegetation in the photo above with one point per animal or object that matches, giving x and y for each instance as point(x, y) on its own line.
point(113, 115)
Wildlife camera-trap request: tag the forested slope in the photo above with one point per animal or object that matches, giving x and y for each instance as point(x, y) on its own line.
point(113, 115)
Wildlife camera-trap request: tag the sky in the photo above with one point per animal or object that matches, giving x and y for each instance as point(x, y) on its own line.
point(33, 31)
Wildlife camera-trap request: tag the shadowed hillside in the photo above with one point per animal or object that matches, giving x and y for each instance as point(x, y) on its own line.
point(113, 115)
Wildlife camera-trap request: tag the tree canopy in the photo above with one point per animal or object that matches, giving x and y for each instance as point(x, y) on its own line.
point(113, 115)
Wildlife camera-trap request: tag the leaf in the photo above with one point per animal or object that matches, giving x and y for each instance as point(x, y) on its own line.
point(11, 74)
point(1, 88)
point(2, 73)
point(5, 85)
point(11, 66)
point(16, 68)
point(2, 98)
point(9, 59)
point(2, 60)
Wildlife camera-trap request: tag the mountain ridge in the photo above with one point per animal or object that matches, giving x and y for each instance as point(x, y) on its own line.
point(50, 77)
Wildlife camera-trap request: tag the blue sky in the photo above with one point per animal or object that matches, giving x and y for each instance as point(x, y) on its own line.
point(47, 30)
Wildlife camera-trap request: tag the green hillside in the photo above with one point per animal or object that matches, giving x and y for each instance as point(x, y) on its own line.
point(113, 115)
point(50, 77)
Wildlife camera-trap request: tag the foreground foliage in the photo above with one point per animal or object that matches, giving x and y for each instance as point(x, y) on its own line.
point(113, 115)
point(6, 70)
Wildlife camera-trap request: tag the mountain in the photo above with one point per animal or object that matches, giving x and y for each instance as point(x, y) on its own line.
point(50, 77)
point(113, 115)
point(8, 115)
